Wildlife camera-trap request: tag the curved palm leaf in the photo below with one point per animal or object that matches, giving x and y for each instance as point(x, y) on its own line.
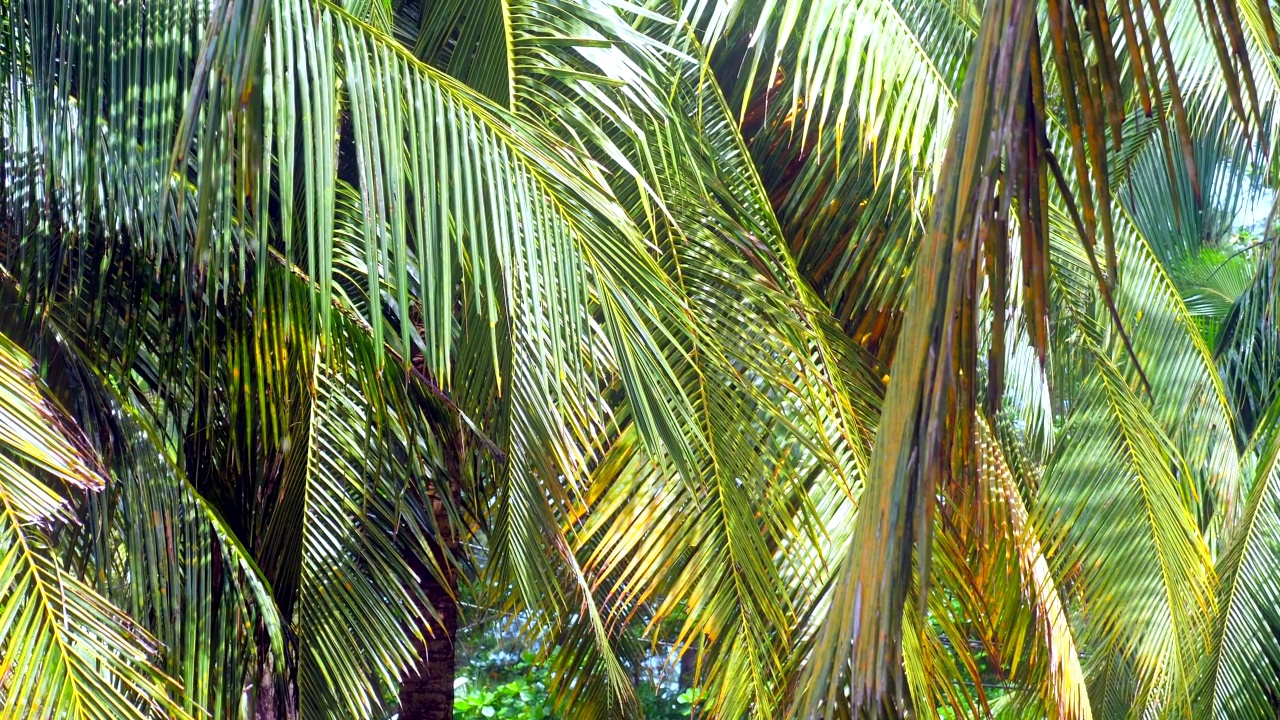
point(1238, 677)
point(1117, 485)
point(891, 64)
point(1026, 620)
point(196, 584)
point(66, 649)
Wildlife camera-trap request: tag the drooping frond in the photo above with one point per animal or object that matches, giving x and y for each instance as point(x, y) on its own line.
point(1188, 396)
point(938, 345)
point(1246, 347)
point(359, 606)
point(1115, 511)
point(67, 651)
point(991, 566)
point(888, 68)
point(1238, 677)
point(760, 359)
point(196, 585)
point(306, 256)
point(936, 678)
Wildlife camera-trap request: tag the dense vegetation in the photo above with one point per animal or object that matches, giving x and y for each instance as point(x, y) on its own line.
point(750, 358)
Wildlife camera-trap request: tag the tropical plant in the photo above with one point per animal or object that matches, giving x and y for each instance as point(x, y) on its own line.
point(330, 310)
point(319, 316)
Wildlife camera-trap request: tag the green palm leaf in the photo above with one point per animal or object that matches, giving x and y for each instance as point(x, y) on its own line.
point(1237, 677)
point(894, 66)
point(66, 651)
point(196, 586)
point(1115, 507)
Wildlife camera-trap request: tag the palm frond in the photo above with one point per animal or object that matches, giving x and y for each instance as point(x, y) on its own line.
point(895, 66)
point(938, 345)
point(196, 586)
point(1048, 654)
point(1116, 481)
point(1189, 397)
point(358, 606)
point(66, 649)
point(1237, 678)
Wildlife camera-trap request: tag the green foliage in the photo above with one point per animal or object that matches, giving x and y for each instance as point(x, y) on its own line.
point(493, 690)
point(610, 312)
point(500, 685)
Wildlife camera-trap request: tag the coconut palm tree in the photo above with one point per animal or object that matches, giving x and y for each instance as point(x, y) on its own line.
point(638, 297)
point(1114, 422)
point(322, 311)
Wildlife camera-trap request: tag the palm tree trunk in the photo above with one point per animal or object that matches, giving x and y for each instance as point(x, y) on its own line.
point(689, 666)
point(427, 694)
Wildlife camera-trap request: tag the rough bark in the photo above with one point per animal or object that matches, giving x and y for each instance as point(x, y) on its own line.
point(427, 692)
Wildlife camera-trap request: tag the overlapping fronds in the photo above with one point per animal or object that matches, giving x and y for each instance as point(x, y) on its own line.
point(1246, 348)
point(1238, 677)
point(1243, 33)
point(939, 348)
point(1188, 396)
point(886, 67)
point(1226, 164)
point(1115, 482)
point(196, 585)
point(469, 40)
point(305, 257)
point(762, 367)
point(359, 606)
point(935, 676)
point(1002, 122)
point(471, 190)
point(990, 561)
point(66, 650)
point(473, 197)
